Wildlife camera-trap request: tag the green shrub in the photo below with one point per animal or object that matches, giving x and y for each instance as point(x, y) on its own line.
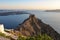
point(45, 37)
point(8, 37)
point(30, 38)
point(38, 37)
point(2, 34)
point(21, 38)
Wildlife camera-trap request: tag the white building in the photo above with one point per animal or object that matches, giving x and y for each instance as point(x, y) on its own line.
point(2, 28)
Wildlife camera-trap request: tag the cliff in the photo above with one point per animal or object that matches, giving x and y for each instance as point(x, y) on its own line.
point(33, 26)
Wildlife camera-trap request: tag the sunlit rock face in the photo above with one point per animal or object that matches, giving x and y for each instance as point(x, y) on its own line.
point(2, 28)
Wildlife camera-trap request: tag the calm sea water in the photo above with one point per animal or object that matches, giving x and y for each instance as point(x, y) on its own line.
point(12, 21)
point(51, 18)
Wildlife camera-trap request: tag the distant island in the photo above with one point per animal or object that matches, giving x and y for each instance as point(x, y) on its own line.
point(57, 10)
point(5, 13)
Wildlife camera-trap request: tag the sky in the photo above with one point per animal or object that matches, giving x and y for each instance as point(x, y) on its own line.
point(30, 4)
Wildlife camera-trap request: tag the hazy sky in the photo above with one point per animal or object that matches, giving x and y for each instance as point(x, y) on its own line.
point(30, 4)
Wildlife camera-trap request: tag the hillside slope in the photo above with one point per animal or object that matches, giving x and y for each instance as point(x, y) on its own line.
point(33, 26)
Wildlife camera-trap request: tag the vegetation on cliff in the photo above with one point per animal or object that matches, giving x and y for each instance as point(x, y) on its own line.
point(38, 37)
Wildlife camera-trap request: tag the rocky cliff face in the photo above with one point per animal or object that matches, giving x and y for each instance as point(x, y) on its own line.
point(33, 26)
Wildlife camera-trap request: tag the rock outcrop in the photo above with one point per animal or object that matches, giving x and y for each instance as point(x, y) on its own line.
point(29, 27)
point(33, 26)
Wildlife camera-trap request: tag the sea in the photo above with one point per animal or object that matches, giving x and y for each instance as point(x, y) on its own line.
point(13, 21)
